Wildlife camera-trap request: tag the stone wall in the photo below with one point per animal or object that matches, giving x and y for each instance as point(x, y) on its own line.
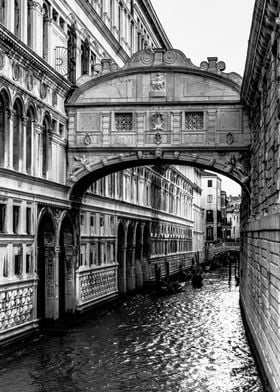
point(260, 242)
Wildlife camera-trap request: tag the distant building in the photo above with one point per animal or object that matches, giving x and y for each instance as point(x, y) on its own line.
point(233, 216)
point(211, 202)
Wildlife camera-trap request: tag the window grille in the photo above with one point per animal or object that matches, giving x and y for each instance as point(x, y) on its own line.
point(194, 121)
point(123, 122)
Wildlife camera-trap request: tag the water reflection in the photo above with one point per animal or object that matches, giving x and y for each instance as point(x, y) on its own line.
point(192, 341)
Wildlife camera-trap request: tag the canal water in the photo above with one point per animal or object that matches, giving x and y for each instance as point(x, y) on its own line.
point(191, 341)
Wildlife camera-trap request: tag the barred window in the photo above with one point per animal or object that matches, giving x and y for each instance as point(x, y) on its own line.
point(194, 121)
point(123, 121)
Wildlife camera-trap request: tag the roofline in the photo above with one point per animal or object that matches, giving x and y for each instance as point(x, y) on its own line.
point(262, 27)
point(155, 23)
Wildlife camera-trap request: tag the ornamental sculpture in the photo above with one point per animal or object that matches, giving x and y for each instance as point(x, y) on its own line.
point(158, 84)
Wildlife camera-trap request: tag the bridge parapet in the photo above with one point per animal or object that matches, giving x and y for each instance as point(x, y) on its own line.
point(223, 247)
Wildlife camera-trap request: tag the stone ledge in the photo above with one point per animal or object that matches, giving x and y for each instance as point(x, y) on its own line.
point(268, 222)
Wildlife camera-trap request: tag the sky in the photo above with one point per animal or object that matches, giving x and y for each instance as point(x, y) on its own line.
point(209, 28)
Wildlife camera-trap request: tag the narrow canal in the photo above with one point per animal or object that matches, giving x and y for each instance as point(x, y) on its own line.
point(191, 341)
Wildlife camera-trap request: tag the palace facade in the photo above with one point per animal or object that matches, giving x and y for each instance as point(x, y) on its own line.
point(57, 257)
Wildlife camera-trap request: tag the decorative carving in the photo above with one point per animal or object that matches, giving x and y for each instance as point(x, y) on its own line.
point(87, 139)
point(29, 81)
point(157, 122)
point(212, 162)
point(158, 153)
point(83, 161)
point(49, 239)
point(229, 138)
point(212, 65)
point(16, 71)
point(170, 56)
point(140, 154)
point(43, 90)
point(158, 138)
point(177, 154)
point(97, 284)
point(158, 84)
point(2, 60)
point(16, 307)
point(54, 98)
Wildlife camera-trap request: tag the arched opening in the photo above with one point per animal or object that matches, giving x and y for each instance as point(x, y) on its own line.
point(138, 258)
point(4, 127)
point(46, 268)
point(17, 135)
point(121, 259)
point(66, 268)
point(29, 132)
point(130, 262)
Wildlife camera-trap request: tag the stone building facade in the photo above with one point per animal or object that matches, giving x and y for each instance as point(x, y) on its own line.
point(211, 202)
point(260, 231)
point(54, 257)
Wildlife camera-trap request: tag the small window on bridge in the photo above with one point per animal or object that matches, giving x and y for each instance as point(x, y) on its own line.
point(210, 183)
point(123, 122)
point(194, 121)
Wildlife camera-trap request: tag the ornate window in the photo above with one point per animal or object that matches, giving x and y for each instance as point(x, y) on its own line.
point(194, 121)
point(123, 122)
point(85, 57)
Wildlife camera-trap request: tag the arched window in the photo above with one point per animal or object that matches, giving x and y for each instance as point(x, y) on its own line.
point(3, 11)
point(28, 147)
point(17, 134)
point(46, 129)
point(17, 21)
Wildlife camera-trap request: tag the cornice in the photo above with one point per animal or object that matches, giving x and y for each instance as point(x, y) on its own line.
point(263, 25)
point(153, 19)
point(18, 49)
point(104, 30)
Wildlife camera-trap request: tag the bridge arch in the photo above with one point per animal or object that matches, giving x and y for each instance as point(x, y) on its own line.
point(91, 172)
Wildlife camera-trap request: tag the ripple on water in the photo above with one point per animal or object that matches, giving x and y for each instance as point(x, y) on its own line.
point(193, 341)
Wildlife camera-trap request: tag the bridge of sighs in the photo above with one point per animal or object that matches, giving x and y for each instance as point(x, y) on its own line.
point(158, 109)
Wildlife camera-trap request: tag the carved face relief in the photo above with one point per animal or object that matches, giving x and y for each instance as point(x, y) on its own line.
point(157, 122)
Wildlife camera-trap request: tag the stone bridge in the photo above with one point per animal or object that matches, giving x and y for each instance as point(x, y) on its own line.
point(223, 247)
point(159, 109)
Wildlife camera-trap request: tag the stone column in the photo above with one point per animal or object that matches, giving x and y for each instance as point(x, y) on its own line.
point(10, 15)
point(36, 27)
point(11, 139)
point(78, 57)
point(36, 148)
point(115, 12)
point(23, 22)
point(122, 272)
